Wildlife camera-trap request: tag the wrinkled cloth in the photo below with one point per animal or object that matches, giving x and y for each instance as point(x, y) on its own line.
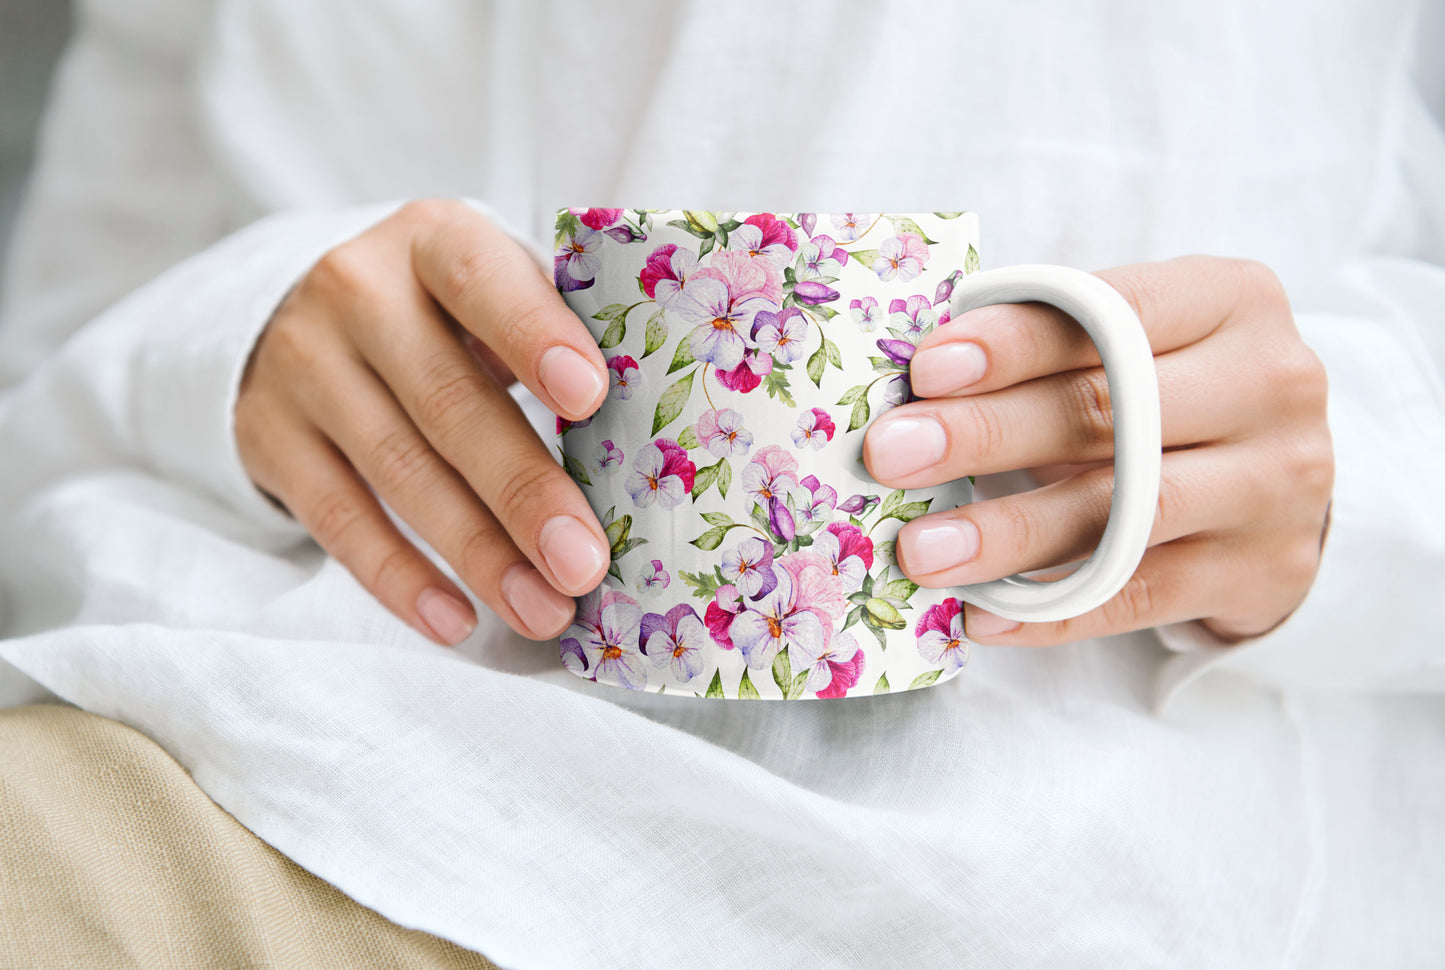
point(1152, 799)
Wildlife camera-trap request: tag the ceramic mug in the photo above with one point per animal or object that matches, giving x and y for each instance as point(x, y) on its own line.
point(752, 554)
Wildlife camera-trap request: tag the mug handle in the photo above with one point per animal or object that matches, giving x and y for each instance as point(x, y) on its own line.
point(1134, 395)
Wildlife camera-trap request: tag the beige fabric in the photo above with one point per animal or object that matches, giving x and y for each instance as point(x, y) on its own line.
point(110, 856)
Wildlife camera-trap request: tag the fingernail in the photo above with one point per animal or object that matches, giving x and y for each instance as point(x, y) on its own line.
point(947, 368)
point(981, 623)
point(931, 547)
point(541, 608)
point(573, 381)
point(899, 446)
point(572, 552)
point(450, 620)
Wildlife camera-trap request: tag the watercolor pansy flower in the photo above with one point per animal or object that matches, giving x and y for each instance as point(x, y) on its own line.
point(814, 429)
point(901, 257)
point(625, 376)
point(749, 567)
point(851, 225)
point(720, 302)
point(654, 579)
point(820, 501)
point(835, 668)
point(821, 258)
point(576, 262)
point(722, 433)
point(661, 473)
point(940, 636)
point(770, 478)
point(847, 552)
point(911, 318)
point(676, 640)
point(774, 623)
point(609, 457)
point(666, 271)
point(605, 634)
point(765, 236)
point(865, 313)
point(781, 335)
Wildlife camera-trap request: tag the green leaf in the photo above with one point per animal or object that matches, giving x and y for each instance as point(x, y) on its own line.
point(688, 438)
point(746, 690)
point(788, 275)
point(689, 228)
point(670, 405)
point(714, 689)
point(835, 356)
point(706, 246)
point(724, 478)
point(907, 511)
point(617, 532)
point(717, 518)
point(901, 588)
point(574, 468)
point(885, 552)
point(865, 257)
point(970, 262)
point(712, 538)
point(732, 225)
point(613, 335)
point(612, 311)
point(948, 215)
point(682, 356)
point(777, 386)
point(925, 679)
point(656, 333)
point(905, 224)
point(859, 417)
point(703, 585)
point(783, 672)
point(876, 630)
point(885, 615)
point(795, 690)
point(827, 312)
point(614, 572)
point(854, 615)
point(858, 598)
point(760, 520)
point(704, 479)
point(882, 686)
point(627, 547)
point(890, 502)
point(853, 394)
point(816, 363)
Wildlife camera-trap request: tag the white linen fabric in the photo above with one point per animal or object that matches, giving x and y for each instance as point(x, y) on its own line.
point(1287, 809)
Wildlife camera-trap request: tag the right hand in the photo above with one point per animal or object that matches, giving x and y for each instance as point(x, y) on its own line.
point(384, 375)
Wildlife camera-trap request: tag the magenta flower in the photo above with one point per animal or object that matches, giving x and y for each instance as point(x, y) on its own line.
point(835, 668)
point(749, 374)
point(676, 640)
point(814, 429)
point(749, 567)
point(901, 257)
point(866, 313)
point(661, 473)
point(722, 433)
point(605, 632)
point(653, 580)
point(597, 218)
point(821, 501)
point(765, 236)
point(774, 623)
point(575, 264)
point(850, 225)
point(665, 273)
point(609, 457)
point(911, 318)
point(727, 603)
point(848, 553)
point(625, 377)
point(940, 635)
point(781, 335)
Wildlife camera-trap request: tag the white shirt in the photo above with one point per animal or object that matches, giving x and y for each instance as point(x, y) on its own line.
point(1284, 810)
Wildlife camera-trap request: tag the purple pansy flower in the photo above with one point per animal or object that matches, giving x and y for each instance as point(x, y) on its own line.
point(814, 429)
point(773, 623)
point(911, 318)
point(781, 335)
point(940, 635)
point(822, 499)
point(848, 552)
point(850, 225)
point(625, 376)
point(722, 433)
point(575, 264)
point(749, 567)
point(609, 457)
point(834, 668)
point(821, 257)
point(605, 632)
point(866, 313)
point(661, 473)
point(654, 580)
point(675, 640)
point(901, 257)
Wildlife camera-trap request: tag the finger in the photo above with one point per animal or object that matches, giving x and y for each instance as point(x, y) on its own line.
point(494, 289)
point(1201, 489)
point(328, 498)
point(479, 430)
point(1064, 418)
point(359, 414)
point(1179, 302)
point(1175, 582)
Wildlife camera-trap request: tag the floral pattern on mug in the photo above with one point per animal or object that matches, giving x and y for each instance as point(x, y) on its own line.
point(730, 390)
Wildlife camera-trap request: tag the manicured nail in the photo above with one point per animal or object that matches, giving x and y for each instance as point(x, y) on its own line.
point(947, 368)
point(573, 381)
point(981, 623)
point(541, 608)
point(450, 620)
point(929, 547)
point(572, 552)
point(899, 446)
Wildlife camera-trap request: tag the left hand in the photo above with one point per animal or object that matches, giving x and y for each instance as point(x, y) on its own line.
point(1248, 466)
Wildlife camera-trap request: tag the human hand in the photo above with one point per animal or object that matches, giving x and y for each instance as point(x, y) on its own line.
point(387, 367)
point(1248, 467)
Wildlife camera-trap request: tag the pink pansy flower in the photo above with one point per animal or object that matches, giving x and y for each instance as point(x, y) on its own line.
point(605, 632)
point(821, 501)
point(625, 377)
point(653, 580)
point(821, 257)
point(749, 374)
point(866, 313)
point(765, 236)
point(774, 623)
point(727, 603)
point(901, 257)
point(722, 433)
point(814, 429)
point(850, 225)
point(665, 273)
point(720, 302)
point(848, 553)
point(661, 473)
point(597, 218)
point(781, 335)
point(940, 635)
point(575, 264)
point(770, 478)
point(609, 457)
point(749, 567)
point(911, 318)
point(815, 588)
point(675, 640)
point(836, 667)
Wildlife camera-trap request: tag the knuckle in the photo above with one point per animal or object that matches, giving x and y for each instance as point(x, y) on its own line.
point(333, 517)
point(1134, 287)
point(522, 324)
point(986, 437)
point(428, 212)
point(344, 270)
point(449, 395)
point(399, 456)
point(1022, 531)
point(393, 569)
point(1133, 606)
point(475, 271)
point(531, 484)
point(480, 560)
point(1093, 410)
point(1261, 283)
